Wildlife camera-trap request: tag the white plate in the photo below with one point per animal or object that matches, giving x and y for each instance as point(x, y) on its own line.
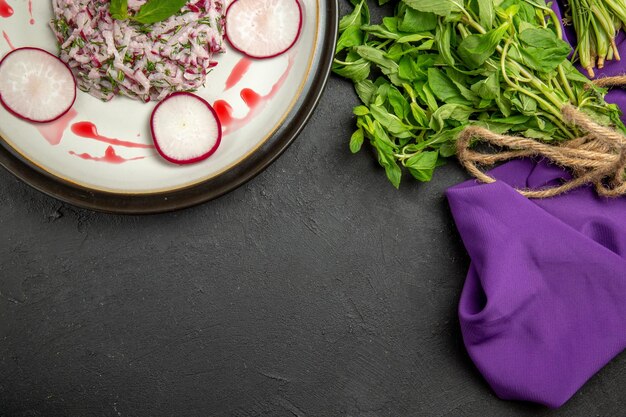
point(289, 86)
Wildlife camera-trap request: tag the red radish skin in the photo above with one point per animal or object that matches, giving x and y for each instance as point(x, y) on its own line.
point(61, 113)
point(159, 147)
point(247, 51)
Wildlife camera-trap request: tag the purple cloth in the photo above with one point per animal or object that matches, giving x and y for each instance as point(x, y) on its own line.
point(544, 304)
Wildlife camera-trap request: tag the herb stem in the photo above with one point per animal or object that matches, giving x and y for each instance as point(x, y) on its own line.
point(545, 105)
point(566, 85)
point(531, 79)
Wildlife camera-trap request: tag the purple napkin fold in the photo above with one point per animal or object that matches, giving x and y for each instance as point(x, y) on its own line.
point(544, 304)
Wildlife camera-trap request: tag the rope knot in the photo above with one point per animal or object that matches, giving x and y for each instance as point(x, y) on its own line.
point(598, 158)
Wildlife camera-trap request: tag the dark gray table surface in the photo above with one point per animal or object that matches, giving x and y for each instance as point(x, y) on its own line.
point(316, 289)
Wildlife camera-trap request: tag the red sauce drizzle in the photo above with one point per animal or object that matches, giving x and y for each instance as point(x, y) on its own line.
point(53, 131)
point(109, 157)
point(279, 84)
point(239, 71)
point(253, 100)
point(5, 9)
point(224, 112)
point(6, 38)
point(251, 97)
point(90, 131)
point(30, 11)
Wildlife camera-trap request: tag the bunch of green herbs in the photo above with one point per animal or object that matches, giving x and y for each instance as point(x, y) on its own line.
point(596, 23)
point(437, 66)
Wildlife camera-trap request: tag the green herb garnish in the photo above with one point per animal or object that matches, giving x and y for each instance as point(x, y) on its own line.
point(152, 12)
point(119, 9)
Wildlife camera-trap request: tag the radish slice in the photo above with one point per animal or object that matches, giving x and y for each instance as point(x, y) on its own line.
point(263, 28)
point(185, 128)
point(36, 85)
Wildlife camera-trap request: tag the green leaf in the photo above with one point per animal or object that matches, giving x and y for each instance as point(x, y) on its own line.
point(428, 97)
point(541, 124)
point(493, 126)
point(447, 150)
point(357, 71)
point(525, 13)
point(487, 13)
point(542, 38)
point(395, 79)
point(416, 37)
point(488, 88)
point(444, 137)
point(443, 38)
point(390, 121)
point(460, 80)
point(419, 114)
point(524, 104)
point(360, 111)
point(477, 48)
point(396, 52)
point(452, 114)
point(353, 67)
point(119, 9)
point(399, 103)
point(382, 92)
point(391, 23)
point(444, 88)
point(414, 21)
point(505, 105)
point(425, 61)
point(392, 170)
point(359, 16)
point(541, 49)
point(406, 69)
point(352, 36)
point(385, 149)
point(422, 165)
point(157, 10)
point(572, 74)
point(382, 138)
point(356, 141)
point(513, 120)
point(438, 7)
point(378, 57)
point(365, 90)
point(599, 116)
point(484, 104)
point(365, 123)
point(380, 31)
point(537, 134)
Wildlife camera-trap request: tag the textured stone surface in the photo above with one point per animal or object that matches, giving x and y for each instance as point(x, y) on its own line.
point(315, 290)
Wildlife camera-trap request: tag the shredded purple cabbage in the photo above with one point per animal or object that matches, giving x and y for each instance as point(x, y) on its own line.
point(144, 62)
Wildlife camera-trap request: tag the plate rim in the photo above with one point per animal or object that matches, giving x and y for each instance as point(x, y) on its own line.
point(202, 192)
